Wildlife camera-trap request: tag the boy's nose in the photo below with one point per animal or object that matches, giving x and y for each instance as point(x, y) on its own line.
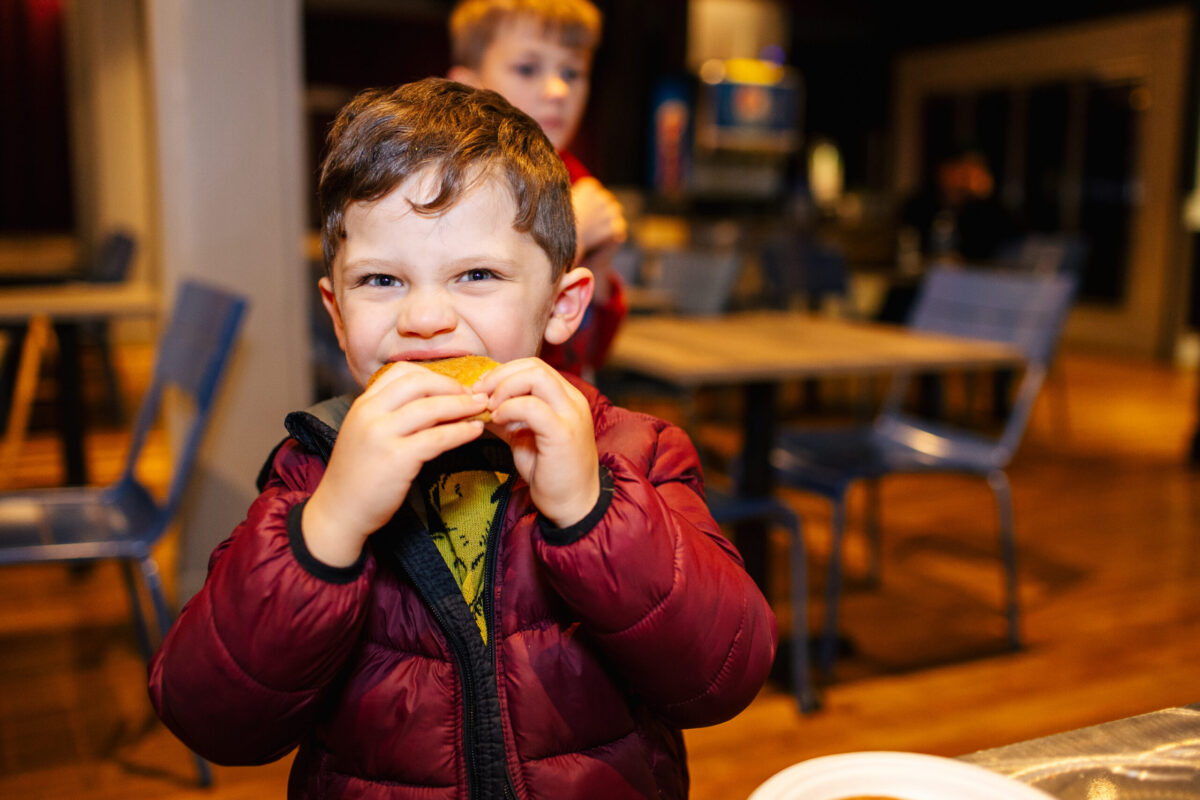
point(426, 314)
point(556, 88)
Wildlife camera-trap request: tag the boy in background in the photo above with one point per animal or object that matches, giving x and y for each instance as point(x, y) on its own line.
point(538, 54)
point(431, 606)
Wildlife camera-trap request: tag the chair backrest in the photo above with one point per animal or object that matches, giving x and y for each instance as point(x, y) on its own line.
point(193, 354)
point(1020, 309)
point(112, 262)
point(627, 263)
point(1047, 253)
point(794, 265)
point(1023, 309)
point(698, 282)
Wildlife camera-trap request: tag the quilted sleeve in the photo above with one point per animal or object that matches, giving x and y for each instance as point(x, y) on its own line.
point(239, 674)
point(659, 587)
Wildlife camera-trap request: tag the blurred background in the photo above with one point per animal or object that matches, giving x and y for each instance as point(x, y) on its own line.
point(1085, 114)
point(197, 126)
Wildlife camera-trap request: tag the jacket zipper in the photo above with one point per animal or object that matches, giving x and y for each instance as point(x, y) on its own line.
point(462, 658)
point(510, 790)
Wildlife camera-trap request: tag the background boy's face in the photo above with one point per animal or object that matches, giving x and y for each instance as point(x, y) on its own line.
point(549, 82)
point(406, 286)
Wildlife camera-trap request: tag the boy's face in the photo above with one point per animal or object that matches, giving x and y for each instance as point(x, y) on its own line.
point(406, 286)
point(535, 73)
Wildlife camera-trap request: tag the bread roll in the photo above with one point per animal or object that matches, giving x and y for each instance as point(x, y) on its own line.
point(464, 369)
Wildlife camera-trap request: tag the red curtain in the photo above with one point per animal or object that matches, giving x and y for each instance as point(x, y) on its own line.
point(35, 169)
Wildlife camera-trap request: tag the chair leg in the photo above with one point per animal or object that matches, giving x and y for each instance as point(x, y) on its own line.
point(998, 480)
point(833, 587)
point(806, 697)
point(153, 579)
point(139, 617)
point(150, 574)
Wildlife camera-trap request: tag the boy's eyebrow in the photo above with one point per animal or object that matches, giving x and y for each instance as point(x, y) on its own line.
point(478, 259)
point(481, 259)
point(367, 262)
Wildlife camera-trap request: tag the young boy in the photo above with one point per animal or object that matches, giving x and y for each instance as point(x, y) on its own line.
point(538, 54)
point(431, 606)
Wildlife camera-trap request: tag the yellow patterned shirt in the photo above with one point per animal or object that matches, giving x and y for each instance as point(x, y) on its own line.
point(468, 503)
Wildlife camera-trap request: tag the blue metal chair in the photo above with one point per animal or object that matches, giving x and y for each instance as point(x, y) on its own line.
point(699, 282)
point(729, 510)
point(1047, 253)
point(627, 263)
point(1024, 310)
point(795, 267)
point(124, 521)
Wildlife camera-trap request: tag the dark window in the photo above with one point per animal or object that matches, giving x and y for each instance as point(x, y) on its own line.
point(35, 163)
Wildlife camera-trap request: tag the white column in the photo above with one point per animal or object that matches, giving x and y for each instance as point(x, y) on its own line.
point(226, 88)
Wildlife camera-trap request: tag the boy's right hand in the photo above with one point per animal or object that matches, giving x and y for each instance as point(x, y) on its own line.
point(407, 417)
point(600, 229)
point(599, 217)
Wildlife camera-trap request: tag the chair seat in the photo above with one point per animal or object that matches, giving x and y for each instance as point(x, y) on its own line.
point(78, 524)
point(829, 460)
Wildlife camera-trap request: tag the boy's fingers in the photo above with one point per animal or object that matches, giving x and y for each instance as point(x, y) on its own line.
point(522, 377)
point(537, 380)
point(521, 411)
point(432, 442)
point(401, 393)
point(411, 380)
point(428, 412)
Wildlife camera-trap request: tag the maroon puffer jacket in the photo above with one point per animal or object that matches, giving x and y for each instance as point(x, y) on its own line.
point(606, 639)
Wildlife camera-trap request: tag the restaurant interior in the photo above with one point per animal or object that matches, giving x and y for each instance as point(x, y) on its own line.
point(1024, 565)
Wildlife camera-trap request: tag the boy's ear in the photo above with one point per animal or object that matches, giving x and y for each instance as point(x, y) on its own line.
point(465, 75)
point(571, 301)
point(329, 300)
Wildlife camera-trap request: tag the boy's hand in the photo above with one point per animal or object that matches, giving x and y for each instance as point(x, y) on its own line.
point(599, 218)
point(407, 417)
point(548, 425)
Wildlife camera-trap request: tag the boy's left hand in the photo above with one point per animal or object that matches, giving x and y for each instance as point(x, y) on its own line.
point(548, 424)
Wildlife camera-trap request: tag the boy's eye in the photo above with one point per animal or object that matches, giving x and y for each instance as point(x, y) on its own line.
point(477, 275)
point(382, 281)
point(571, 75)
point(526, 70)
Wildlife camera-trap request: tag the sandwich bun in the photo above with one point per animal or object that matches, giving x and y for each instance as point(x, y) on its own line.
point(464, 369)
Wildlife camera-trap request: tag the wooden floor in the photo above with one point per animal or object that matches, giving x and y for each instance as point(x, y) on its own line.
point(1108, 523)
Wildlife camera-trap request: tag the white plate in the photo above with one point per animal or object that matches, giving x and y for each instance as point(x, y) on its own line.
point(908, 776)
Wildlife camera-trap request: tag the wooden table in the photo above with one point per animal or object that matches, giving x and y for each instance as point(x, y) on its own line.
point(68, 305)
point(78, 302)
point(775, 346)
point(759, 350)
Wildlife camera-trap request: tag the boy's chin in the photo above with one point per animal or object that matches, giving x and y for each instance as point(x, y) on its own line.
point(559, 137)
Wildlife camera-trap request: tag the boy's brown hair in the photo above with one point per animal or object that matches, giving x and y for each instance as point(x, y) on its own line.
point(575, 23)
point(384, 136)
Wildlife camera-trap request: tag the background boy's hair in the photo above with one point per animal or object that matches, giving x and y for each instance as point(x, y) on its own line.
point(384, 136)
point(473, 23)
